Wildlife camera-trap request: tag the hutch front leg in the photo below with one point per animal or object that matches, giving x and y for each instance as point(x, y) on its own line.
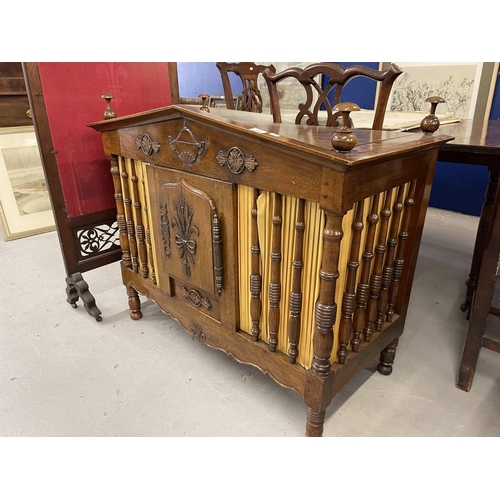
point(315, 422)
point(387, 358)
point(134, 303)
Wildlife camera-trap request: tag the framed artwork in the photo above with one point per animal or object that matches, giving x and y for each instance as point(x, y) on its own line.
point(219, 101)
point(467, 87)
point(25, 207)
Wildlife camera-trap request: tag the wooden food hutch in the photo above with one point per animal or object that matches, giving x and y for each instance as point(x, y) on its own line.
point(266, 243)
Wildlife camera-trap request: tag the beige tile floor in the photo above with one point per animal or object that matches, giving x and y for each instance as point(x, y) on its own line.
point(64, 374)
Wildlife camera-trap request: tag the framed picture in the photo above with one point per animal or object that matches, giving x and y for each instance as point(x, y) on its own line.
point(219, 101)
point(467, 87)
point(25, 207)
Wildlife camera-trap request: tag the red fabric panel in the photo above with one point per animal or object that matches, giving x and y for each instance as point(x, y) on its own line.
point(72, 93)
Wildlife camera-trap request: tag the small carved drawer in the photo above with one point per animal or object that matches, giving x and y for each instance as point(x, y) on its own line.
point(192, 219)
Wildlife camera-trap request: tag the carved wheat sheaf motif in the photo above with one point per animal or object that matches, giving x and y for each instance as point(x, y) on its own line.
point(147, 144)
point(182, 221)
point(236, 161)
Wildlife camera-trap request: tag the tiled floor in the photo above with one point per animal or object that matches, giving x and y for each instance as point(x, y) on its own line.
point(64, 374)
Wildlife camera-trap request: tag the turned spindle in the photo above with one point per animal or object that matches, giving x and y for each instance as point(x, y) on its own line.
point(343, 140)
point(431, 122)
point(204, 103)
point(109, 112)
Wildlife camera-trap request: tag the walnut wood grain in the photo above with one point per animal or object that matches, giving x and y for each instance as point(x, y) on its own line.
point(295, 161)
point(326, 308)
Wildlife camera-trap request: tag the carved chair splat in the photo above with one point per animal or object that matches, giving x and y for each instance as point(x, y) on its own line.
point(336, 77)
point(249, 73)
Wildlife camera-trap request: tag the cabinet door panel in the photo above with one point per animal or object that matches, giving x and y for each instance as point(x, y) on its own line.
point(186, 211)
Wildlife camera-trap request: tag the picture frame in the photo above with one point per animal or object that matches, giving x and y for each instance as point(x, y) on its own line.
point(219, 101)
point(467, 87)
point(25, 207)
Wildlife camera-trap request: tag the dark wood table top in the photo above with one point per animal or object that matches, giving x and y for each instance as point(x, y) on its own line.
point(473, 136)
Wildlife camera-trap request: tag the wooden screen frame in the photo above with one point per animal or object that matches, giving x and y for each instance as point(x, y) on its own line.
point(67, 227)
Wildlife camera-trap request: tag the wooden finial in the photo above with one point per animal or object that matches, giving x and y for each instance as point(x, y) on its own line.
point(431, 122)
point(343, 140)
point(109, 112)
point(204, 103)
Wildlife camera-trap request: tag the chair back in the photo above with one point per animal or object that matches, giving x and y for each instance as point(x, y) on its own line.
point(248, 73)
point(334, 78)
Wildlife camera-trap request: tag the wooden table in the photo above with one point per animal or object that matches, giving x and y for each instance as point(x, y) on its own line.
point(477, 142)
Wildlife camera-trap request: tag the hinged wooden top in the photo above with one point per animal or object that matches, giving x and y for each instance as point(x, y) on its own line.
point(372, 145)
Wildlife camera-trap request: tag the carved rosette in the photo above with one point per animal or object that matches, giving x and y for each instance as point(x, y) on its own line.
point(147, 145)
point(196, 298)
point(236, 161)
point(186, 147)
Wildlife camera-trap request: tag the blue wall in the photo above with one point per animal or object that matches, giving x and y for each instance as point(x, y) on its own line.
point(203, 78)
point(457, 187)
point(460, 187)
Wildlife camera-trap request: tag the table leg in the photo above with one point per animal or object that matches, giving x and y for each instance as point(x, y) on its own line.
point(481, 303)
point(481, 238)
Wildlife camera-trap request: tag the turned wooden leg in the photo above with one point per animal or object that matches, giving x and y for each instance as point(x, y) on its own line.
point(315, 421)
point(387, 358)
point(134, 303)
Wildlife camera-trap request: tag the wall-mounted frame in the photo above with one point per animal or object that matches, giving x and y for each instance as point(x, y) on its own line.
point(467, 87)
point(25, 207)
point(219, 101)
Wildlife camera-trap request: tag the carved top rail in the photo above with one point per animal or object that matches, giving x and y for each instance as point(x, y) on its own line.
point(245, 148)
point(323, 84)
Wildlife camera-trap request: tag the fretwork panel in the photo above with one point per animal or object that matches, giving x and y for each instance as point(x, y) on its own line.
point(368, 243)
